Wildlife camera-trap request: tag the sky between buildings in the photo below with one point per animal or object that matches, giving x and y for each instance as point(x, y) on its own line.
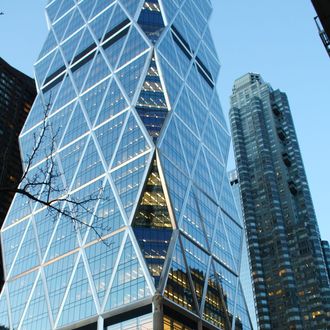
point(277, 39)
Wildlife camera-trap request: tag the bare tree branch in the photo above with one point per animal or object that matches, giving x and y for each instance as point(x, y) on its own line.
point(44, 183)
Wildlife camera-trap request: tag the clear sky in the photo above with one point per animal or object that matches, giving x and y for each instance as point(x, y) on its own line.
point(277, 39)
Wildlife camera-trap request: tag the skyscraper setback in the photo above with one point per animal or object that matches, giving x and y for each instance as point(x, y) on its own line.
point(289, 272)
point(127, 93)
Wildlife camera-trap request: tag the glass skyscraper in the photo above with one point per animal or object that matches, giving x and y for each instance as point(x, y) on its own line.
point(291, 282)
point(128, 88)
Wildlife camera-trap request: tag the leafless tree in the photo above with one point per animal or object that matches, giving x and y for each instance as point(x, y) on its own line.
point(42, 183)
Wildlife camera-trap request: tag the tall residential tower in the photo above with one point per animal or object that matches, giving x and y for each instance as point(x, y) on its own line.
point(289, 272)
point(127, 91)
point(17, 93)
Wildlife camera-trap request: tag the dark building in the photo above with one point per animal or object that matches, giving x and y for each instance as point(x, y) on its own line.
point(289, 273)
point(17, 93)
point(322, 20)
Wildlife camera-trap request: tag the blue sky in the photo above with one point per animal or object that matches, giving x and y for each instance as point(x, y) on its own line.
point(277, 39)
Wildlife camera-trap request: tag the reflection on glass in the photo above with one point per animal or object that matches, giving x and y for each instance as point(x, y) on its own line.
point(151, 20)
point(151, 105)
point(214, 310)
point(139, 323)
point(171, 324)
point(152, 224)
point(178, 287)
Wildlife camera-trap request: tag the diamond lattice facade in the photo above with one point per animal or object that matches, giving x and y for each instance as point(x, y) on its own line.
point(129, 89)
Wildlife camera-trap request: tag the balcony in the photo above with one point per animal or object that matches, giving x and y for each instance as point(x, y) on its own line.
point(276, 110)
point(293, 188)
point(281, 134)
point(286, 160)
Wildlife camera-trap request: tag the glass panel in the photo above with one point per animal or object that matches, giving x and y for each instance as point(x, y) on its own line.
point(42, 67)
point(66, 6)
point(19, 292)
point(138, 323)
point(171, 146)
point(211, 141)
point(191, 223)
point(58, 122)
point(170, 9)
point(92, 100)
point(82, 206)
point(108, 136)
point(131, 6)
point(27, 257)
point(151, 105)
point(132, 144)
point(178, 285)
point(70, 157)
point(134, 46)
point(214, 309)
point(194, 82)
point(242, 315)
point(70, 45)
point(197, 261)
point(101, 257)
point(87, 7)
point(75, 23)
point(4, 319)
point(221, 249)
point(99, 70)
point(61, 25)
point(36, 316)
point(11, 239)
point(52, 9)
point(152, 224)
point(107, 217)
point(168, 50)
point(79, 303)
point(129, 284)
point(100, 5)
point(81, 69)
point(190, 144)
point(216, 110)
point(90, 167)
point(45, 227)
point(223, 138)
point(234, 233)
point(57, 277)
point(130, 75)
point(216, 171)
point(127, 180)
point(114, 103)
point(99, 24)
point(228, 201)
point(77, 126)
point(228, 282)
point(151, 20)
point(20, 208)
point(172, 82)
point(66, 94)
point(184, 111)
point(202, 176)
point(65, 237)
point(173, 324)
point(208, 211)
point(177, 184)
